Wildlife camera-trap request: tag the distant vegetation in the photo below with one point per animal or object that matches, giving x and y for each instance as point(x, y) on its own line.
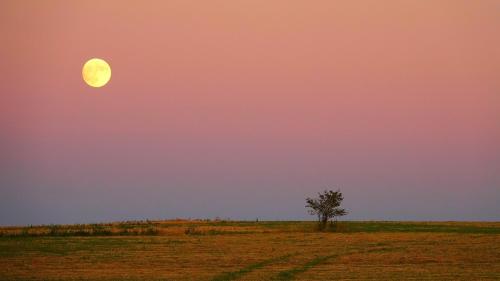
point(217, 227)
point(104, 229)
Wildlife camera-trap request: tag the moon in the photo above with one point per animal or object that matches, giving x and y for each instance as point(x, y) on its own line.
point(96, 72)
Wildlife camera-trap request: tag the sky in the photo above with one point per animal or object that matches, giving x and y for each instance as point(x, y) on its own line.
point(242, 109)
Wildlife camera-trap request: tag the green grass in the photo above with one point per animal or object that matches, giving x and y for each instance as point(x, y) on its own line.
point(67, 246)
point(371, 226)
point(60, 246)
point(351, 226)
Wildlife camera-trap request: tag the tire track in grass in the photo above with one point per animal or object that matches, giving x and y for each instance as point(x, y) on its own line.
point(233, 275)
point(290, 274)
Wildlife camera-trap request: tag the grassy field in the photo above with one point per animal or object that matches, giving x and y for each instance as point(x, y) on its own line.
point(226, 250)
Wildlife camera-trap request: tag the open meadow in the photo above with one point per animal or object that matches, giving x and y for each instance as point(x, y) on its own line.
point(227, 250)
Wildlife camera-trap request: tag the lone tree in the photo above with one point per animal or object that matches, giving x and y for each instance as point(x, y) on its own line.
point(326, 206)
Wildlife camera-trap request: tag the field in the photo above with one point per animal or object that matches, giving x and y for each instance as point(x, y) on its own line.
point(228, 250)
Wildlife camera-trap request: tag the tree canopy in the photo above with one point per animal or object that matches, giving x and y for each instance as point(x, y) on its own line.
point(326, 206)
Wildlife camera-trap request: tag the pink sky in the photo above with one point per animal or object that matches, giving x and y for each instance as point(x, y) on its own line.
point(243, 108)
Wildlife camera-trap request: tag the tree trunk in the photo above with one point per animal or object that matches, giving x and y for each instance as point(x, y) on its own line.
point(324, 221)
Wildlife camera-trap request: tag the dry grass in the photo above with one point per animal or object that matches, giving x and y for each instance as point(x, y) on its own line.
point(255, 251)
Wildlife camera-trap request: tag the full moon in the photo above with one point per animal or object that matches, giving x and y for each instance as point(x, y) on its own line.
point(96, 72)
